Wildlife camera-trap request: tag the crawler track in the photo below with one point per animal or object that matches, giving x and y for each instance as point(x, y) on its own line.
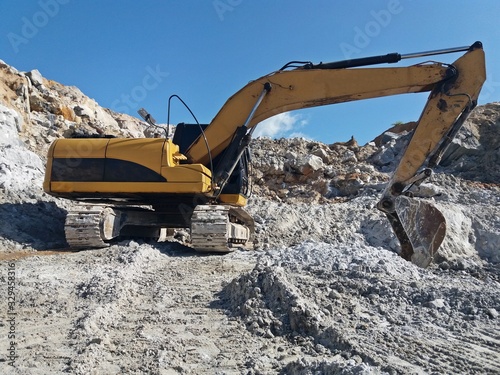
point(214, 228)
point(220, 228)
point(83, 229)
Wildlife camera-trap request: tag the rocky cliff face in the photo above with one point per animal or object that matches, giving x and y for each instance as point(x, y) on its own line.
point(35, 111)
point(49, 110)
point(475, 152)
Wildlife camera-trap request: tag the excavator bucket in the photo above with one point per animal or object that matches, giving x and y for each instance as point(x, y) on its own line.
point(420, 228)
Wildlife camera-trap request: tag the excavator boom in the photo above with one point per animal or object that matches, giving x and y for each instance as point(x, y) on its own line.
point(317, 86)
point(304, 88)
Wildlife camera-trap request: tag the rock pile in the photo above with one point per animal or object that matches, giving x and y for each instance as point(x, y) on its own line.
point(297, 170)
point(328, 192)
point(50, 110)
point(358, 305)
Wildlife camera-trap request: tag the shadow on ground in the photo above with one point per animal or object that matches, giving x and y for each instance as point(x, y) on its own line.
point(39, 225)
point(176, 249)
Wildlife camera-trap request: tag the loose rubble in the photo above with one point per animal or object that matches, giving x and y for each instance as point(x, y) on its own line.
point(323, 293)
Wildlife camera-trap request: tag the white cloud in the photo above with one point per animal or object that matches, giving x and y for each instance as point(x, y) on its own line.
point(299, 135)
point(282, 125)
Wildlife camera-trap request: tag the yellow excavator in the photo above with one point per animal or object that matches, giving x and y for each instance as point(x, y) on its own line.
point(199, 179)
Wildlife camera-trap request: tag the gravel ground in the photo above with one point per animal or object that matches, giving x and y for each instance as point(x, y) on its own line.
point(308, 309)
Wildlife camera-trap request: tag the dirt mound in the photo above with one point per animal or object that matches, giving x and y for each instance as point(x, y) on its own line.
point(370, 306)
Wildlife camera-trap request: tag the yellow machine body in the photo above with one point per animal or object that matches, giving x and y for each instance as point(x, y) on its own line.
point(85, 167)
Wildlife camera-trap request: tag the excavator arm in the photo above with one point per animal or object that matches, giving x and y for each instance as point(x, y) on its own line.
point(454, 89)
point(419, 226)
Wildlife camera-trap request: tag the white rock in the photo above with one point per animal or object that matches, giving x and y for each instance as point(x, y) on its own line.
point(20, 169)
point(35, 77)
point(83, 111)
point(493, 313)
point(349, 156)
point(309, 163)
point(10, 124)
point(438, 303)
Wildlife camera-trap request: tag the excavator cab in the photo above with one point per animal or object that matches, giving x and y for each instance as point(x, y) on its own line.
point(239, 182)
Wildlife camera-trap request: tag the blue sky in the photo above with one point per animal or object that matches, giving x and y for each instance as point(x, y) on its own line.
point(130, 54)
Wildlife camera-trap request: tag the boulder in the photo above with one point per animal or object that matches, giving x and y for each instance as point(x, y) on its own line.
point(308, 164)
point(35, 77)
point(474, 153)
